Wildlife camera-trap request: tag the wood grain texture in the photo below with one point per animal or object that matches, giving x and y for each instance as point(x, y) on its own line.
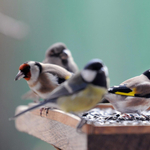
point(59, 129)
point(72, 120)
point(104, 106)
point(58, 134)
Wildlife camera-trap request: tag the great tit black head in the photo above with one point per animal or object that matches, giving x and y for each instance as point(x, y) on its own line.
point(94, 64)
point(95, 73)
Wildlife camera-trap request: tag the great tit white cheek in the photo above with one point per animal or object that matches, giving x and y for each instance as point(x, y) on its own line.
point(88, 75)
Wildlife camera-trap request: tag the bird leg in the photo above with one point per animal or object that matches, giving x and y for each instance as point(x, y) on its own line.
point(82, 122)
point(47, 109)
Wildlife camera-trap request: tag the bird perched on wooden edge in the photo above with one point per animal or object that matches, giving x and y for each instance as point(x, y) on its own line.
point(80, 93)
point(42, 78)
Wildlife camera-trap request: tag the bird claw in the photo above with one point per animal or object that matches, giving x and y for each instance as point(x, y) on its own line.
point(47, 110)
point(41, 110)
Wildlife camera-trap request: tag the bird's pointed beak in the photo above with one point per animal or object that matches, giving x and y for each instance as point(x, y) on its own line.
point(19, 75)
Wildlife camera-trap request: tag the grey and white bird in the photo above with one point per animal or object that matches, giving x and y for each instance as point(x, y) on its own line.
point(57, 54)
point(79, 93)
point(132, 95)
point(60, 55)
point(42, 78)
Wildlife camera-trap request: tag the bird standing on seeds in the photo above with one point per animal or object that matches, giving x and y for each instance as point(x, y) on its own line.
point(131, 96)
point(42, 78)
point(81, 92)
point(60, 55)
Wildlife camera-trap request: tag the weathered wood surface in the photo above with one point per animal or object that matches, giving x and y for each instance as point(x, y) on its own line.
point(56, 133)
point(59, 129)
point(119, 142)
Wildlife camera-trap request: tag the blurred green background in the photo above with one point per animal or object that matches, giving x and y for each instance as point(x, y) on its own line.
point(116, 31)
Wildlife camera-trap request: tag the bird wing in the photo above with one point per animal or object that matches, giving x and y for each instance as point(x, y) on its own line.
point(139, 90)
point(143, 89)
point(59, 79)
point(57, 70)
point(121, 90)
point(69, 87)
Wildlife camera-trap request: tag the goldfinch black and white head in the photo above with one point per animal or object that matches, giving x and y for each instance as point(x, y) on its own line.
point(79, 93)
point(42, 78)
point(60, 55)
point(132, 95)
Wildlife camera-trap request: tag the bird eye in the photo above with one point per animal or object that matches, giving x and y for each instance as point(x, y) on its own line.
point(26, 69)
point(51, 53)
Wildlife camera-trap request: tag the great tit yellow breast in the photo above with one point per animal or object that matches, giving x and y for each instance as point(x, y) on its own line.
point(83, 100)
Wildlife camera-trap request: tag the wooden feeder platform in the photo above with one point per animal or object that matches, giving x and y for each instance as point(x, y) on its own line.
point(59, 129)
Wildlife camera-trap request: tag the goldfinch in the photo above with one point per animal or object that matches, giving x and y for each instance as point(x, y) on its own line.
point(131, 96)
point(42, 78)
point(79, 93)
point(57, 54)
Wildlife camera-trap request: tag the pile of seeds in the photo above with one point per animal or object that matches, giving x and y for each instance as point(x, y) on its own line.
point(111, 117)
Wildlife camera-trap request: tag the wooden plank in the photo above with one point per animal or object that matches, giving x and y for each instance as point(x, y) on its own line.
point(119, 142)
point(72, 120)
point(107, 105)
point(59, 129)
point(104, 106)
point(51, 131)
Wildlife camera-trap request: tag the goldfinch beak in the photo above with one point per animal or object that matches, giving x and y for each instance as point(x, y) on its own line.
point(19, 75)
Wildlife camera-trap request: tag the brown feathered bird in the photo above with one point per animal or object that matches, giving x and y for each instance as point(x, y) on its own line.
point(131, 96)
point(42, 78)
point(60, 55)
